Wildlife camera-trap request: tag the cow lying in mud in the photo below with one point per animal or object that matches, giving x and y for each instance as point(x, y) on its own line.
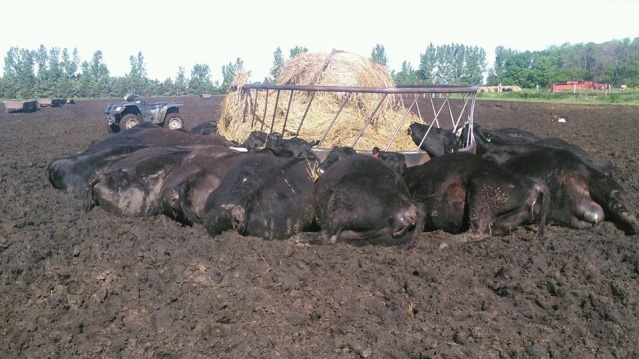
point(147, 171)
point(361, 199)
point(186, 189)
point(580, 195)
point(271, 190)
point(496, 144)
point(463, 193)
point(264, 196)
point(73, 173)
point(582, 191)
point(131, 186)
point(501, 144)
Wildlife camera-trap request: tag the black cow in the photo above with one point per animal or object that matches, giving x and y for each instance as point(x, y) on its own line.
point(336, 154)
point(434, 141)
point(581, 196)
point(360, 199)
point(258, 139)
point(488, 138)
point(292, 147)
point(186, 189)
point(461, 192)
point(395, 160)
point(264, 196)
point(132, 185)
point(206, 128)
point(501, 144)
point(73, 173)
point(162, 136)
point(501, 154)
point(114, 141)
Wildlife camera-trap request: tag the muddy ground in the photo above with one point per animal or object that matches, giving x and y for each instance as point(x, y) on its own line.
point(95, 285)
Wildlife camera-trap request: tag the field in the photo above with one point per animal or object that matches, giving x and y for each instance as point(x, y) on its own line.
point(76, 284)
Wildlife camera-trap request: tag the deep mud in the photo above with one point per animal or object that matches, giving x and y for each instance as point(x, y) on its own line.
point(93, 285)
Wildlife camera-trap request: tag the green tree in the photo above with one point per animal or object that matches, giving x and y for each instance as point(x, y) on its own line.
point(379, 55)
point(278, 61)
point(518, 69)
point(41, 57)
point(449, 64)
point(44, 85)
point(615, 61)
point(119, 86)
point(453, 64)
point(153, 87)
point(407, 75)
point(137, 80)
point(228, 74)
point(544, 70)
point(51, 80)
point(166, 88)
point(297, 50)
point(496, 74)
point(475, 66)
point(200, 81)
point(19, 73)
point(3, 88)
point(56, 72)
point(69, 65)
point(180, 87)
point(618, 61)
point(629, 63)
point(95, 81)
point(427, 65)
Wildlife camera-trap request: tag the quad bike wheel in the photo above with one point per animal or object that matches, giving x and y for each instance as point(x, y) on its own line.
point(129, 121)
point(174, 121)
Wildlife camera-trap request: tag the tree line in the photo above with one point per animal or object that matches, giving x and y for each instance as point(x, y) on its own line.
point(55, 72)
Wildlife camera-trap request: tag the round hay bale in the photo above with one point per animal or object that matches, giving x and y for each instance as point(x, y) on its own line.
point(241, 113)
point(338, 68)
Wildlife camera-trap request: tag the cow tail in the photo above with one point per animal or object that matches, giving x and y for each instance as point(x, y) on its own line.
point(239, 219)
point(52, 179)
point(187, 215)
point(419, 225)
point(544, 208)
point(89, 200)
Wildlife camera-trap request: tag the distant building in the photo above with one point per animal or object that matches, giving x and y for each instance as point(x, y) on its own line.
point(576, 85)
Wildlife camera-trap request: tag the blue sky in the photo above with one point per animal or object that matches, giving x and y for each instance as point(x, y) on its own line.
point(190, 32)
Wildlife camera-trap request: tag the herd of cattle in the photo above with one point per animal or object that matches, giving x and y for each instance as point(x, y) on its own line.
point(276, 188)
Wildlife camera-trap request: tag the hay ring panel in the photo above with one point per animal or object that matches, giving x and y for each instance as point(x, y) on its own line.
point(323, 113)
point(342, 99)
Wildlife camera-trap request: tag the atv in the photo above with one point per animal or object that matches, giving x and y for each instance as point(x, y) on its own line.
point(133, 111)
